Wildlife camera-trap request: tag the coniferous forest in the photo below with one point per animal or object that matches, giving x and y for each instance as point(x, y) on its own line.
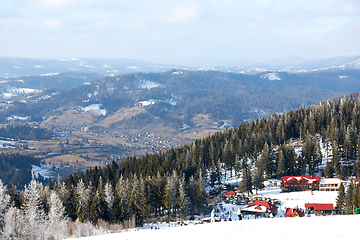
point(172, 185)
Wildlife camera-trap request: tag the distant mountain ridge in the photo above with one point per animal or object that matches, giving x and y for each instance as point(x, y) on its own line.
point(18, 67)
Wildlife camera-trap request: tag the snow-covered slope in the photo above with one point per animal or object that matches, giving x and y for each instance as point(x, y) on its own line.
point(331, 227)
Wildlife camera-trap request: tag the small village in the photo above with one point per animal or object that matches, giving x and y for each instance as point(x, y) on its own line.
point(289, 197)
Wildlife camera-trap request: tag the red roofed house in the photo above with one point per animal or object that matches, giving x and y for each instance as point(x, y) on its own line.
point(294, 212)
point(319, 207)
point(229, 194)
point(269, 207)
point(300, 183)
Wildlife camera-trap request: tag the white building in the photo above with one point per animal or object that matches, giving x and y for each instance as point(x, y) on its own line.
point(329, 184)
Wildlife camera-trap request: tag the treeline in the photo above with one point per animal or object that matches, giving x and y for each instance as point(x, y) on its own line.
point(25, 132)
point(15, 169)
point(348, 202)
point(115, 198)
point(38, 212)
point(254, 151)
point(222, 95)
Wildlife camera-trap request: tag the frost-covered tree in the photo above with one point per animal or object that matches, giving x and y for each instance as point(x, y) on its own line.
point(121, 199)
point(183, 201)
point(109, 198)
point(57, 220)
point(98, 209)
point(82, 201)
point(34, 219)
point(4, 203)
point(171, 193)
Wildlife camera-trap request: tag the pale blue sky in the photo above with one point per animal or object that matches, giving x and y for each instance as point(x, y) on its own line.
point(179, 30)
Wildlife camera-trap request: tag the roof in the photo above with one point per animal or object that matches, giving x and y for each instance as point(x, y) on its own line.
point(320, 206)
point(258, 208)
point(229, 193)
point(294, 212)
point(266, 204)
point(330, 181)
point(310, 179)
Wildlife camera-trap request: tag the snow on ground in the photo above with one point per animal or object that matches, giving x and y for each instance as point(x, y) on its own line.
point(95, 108)
point(328, 227)
point(271, 77)
point(149, 84)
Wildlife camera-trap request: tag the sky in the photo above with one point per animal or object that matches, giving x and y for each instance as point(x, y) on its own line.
point(177, 31)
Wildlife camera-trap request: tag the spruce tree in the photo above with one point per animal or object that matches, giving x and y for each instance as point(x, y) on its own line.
point(340, 199)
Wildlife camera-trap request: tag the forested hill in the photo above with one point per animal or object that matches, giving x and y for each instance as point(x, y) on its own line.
point(256, 150)
point(177, 96)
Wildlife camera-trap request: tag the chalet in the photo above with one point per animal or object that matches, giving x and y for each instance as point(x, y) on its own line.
point(294, 212)
point(259, 207)
point(300, 183)
point(330, 184)
point(229, 194)
point(319, 208)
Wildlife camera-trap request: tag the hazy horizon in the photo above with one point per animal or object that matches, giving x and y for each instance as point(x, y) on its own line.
point(180, 32)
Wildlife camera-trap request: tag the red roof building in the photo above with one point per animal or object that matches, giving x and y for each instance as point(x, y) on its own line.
point(229, 194)
point(269, 207)
point(294, 212)
point(300, 183)
point(319, 207)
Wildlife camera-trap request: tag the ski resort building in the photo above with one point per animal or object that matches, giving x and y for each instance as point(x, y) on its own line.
point(300, 183)
point(319, 208)
point(330, 184)
point(294, 212)
point(260, 207)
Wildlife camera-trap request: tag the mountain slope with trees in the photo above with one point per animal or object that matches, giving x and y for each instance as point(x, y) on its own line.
point(256, 150)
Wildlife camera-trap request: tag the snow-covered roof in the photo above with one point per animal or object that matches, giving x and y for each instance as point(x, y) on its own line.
point(310, 179)
point(257, 208)
point(330, 181)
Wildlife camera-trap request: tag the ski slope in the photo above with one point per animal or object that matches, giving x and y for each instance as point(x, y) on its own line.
point(326, 227)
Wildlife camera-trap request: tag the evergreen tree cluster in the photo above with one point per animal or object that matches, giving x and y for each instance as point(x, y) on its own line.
point(25, 132)
point(254, 151)
point(15, 169)
point(166, 197)
point(348, 202)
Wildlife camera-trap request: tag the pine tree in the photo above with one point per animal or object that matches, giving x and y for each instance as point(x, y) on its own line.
point(98, 209)
point(246, 182)
point(121, 200)
point(109, 199)
point(328, 171)
point(4, 203)
point(350, 192)
point(183, 201)
point(340, 199)
point(258, 175)
point(57, 220)
point(34, 219)
point(82, 201)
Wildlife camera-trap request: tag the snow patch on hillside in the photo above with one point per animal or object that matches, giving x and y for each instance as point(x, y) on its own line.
point(15, 90)
point(271, 77)
point(94, 109)
point(18, 118)
point(149, 84)
point(49, 74)
point(147, 103)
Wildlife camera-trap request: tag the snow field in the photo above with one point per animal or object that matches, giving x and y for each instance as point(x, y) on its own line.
point(330, 227)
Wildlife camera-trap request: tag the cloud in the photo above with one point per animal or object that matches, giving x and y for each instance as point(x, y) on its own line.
point(51, 23)
point(183, 13)
point(44, 4)
point(351, 9)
